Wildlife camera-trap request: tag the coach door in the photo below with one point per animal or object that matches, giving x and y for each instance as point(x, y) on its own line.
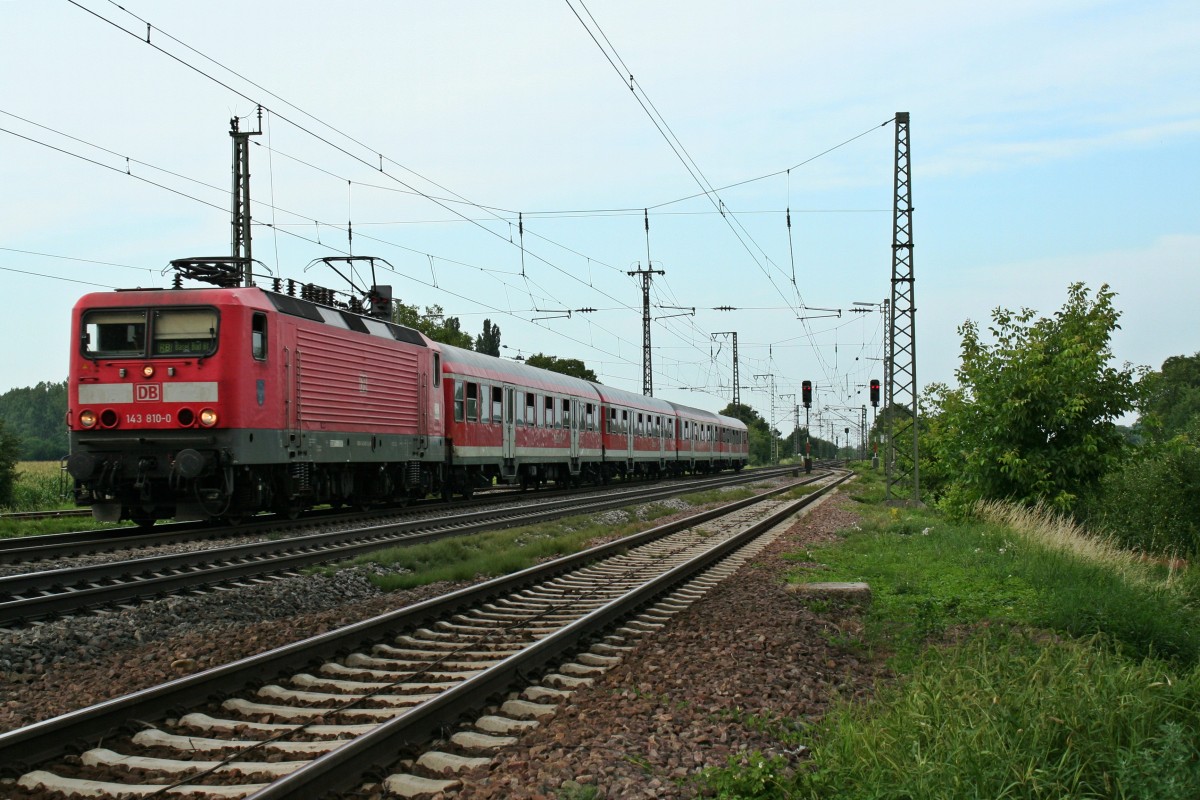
point(576, 424)
point(510, 429)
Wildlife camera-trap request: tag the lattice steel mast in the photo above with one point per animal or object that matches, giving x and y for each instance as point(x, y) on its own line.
point(240, 222)
point(903, 477)
point(647, 370)
point(737, 394)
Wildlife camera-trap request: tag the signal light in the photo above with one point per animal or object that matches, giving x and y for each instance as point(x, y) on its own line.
point(208, 417)
point(87, 419)
point(806, 393)
point(875, 393)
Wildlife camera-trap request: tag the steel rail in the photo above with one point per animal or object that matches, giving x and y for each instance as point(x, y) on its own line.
point(24, 748)
point(342, 768)
point(38, 595)
point(41, 547)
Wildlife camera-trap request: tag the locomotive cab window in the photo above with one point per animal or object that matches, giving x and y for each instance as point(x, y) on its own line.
point(184, 332)
point(258, 337)
point(114, 333)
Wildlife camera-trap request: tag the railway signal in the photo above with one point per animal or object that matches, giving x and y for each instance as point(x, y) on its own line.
point(875, 393)
point(806, 393)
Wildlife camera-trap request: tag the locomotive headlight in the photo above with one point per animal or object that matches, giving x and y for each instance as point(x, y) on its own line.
point(87, 419)
point(148, 371)
point(208, 418)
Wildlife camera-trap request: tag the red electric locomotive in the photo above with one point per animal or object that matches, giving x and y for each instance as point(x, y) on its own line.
point(222, 402)
point(200, 403)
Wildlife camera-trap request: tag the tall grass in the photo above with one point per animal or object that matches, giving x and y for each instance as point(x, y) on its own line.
point(1010, 715)
point(40, 485)
point(1072, 671)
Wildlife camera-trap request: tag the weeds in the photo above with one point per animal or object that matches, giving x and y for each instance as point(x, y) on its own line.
point(1014, 714)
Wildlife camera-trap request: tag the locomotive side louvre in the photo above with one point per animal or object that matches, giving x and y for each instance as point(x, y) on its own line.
point(344, 384)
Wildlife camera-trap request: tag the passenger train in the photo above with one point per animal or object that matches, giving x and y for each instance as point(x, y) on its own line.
point(218, 403)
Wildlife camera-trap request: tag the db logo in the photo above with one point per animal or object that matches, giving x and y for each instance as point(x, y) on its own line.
point(147, 392)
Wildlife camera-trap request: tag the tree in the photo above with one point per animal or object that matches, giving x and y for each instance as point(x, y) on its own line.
point(1033, 417)
point(34, 415)
point(488, 341)
point(433, 323)
point(1171, 397)
point(564, 366)
point(9, 447)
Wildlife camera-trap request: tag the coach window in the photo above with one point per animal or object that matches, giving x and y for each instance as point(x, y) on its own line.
point(530, 408)
point(258, 337)
point(458, 401)
point(472, 402)
point(591, 417)
point(497, 403)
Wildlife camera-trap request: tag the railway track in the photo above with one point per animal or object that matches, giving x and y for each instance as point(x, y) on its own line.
point(34, 596)
point(22, 516)
point(408, 702)
point(50, 546)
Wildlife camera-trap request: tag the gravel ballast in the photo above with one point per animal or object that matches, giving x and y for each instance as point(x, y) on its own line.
point(687, 699)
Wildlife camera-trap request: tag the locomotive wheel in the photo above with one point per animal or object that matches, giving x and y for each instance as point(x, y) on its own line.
point(142, 518)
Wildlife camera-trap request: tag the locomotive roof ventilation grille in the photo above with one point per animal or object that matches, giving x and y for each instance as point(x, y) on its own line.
point(308, 310)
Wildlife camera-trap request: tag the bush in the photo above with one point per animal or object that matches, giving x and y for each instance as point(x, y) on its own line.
point(9, 448)
point(1152, 504)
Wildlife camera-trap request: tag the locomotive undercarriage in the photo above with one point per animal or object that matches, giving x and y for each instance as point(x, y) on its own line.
point(144, 483)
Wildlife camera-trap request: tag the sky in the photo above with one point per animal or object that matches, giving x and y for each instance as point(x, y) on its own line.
point(504, 163)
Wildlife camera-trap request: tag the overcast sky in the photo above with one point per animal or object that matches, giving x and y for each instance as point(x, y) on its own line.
point(1052, 141)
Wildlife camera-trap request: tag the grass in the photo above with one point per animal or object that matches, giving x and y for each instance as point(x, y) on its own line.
point(1011, 714)
point(494, 553)
point(1032, 661)
point(41, 486)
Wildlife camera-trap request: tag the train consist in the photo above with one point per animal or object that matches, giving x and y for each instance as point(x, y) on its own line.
point(216, 403)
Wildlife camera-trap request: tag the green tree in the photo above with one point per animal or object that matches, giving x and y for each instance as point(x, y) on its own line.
point(9, 447)
point(1171, 397)
point(34, 415)
point(564, 366)
point(1033, 418)
point(433, 323)
point(488, 341)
